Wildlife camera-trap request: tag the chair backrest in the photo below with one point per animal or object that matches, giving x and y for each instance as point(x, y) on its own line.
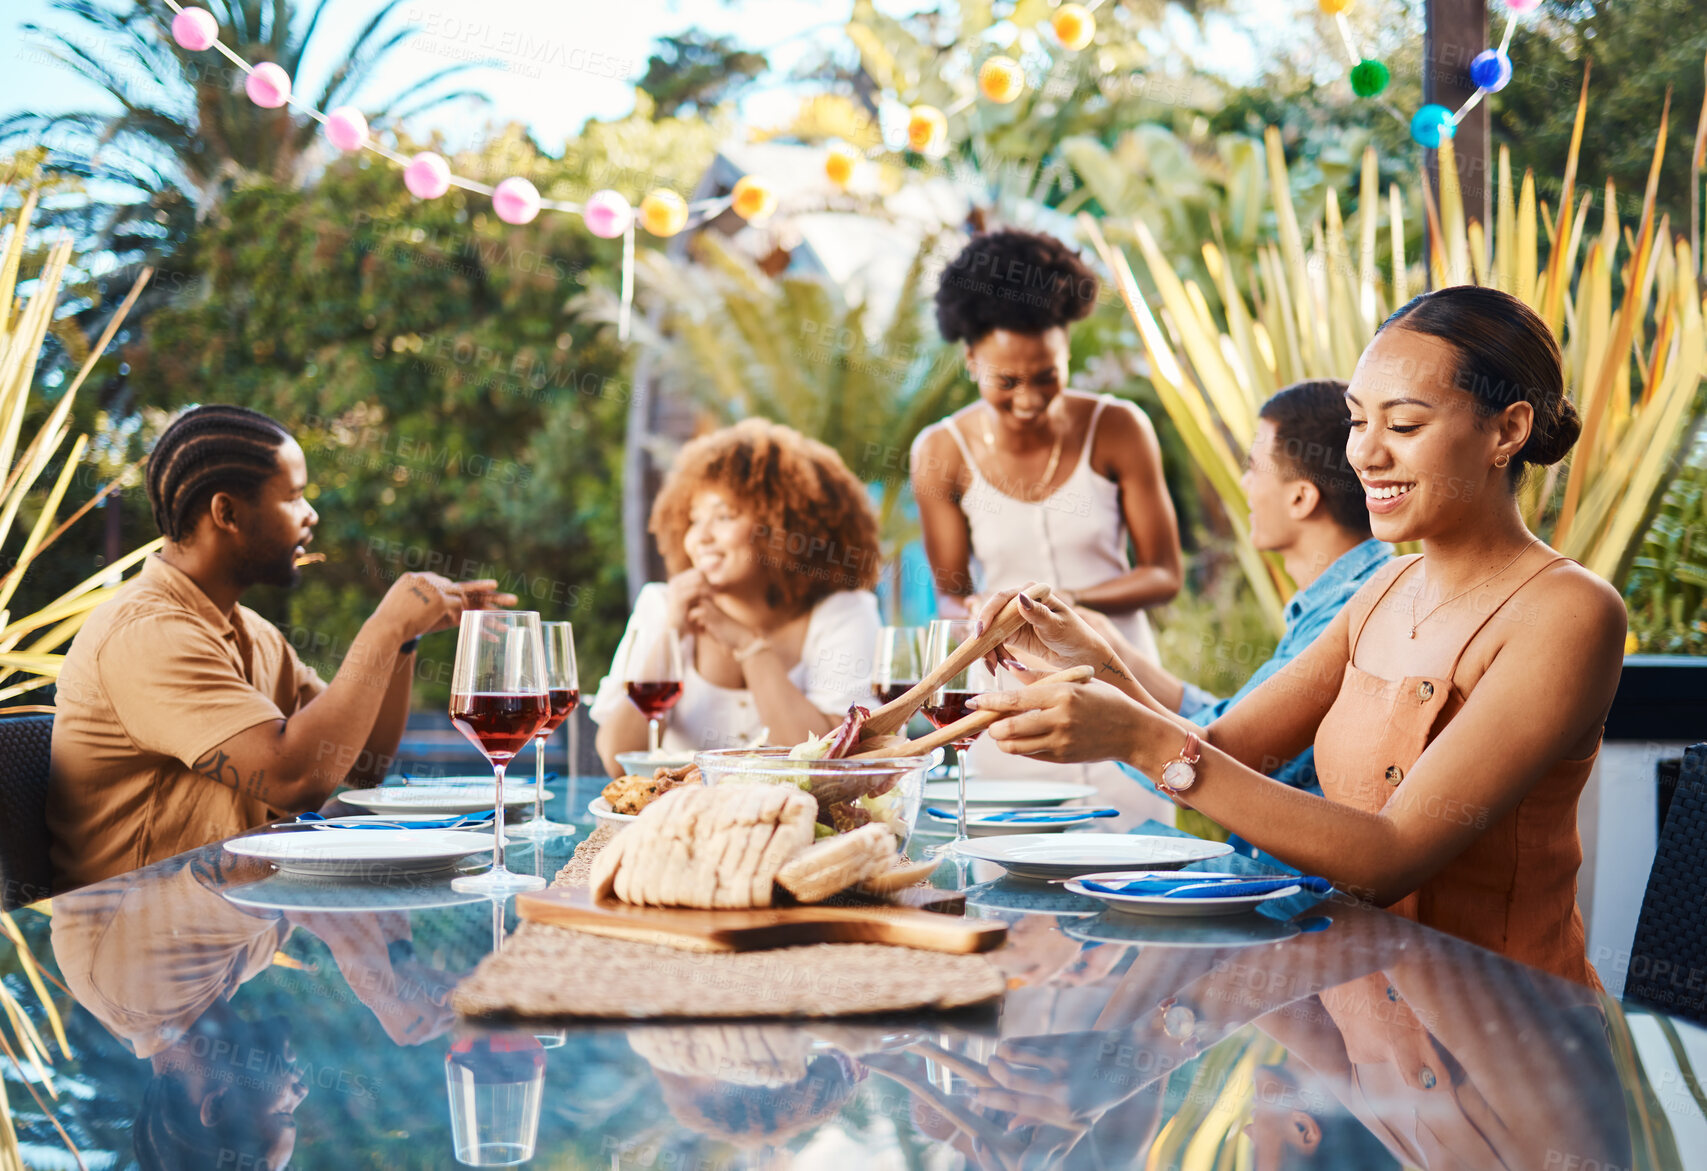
point(25, 873)
point(1668, 962)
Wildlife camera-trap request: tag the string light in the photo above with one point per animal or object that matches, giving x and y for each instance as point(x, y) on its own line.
point(1490, 72)
point(515, 200)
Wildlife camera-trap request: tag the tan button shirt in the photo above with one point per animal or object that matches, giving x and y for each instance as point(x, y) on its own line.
point(156, 678)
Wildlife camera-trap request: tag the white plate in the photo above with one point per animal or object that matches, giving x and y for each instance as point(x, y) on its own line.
point(1232, 931)
point(1160, 906)
point(444, 799)
point(978, 824)
point(644, 764)
point(602, 812)
point(1011, 794)
point(1014, 894)
point(1052, 857)
point(330, 892)
point(377, 854)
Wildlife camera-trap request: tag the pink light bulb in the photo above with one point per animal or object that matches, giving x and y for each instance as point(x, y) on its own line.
point(607, 214)
point(515, 200)
point(268, 86)
point(427, 176)
point(195, 29)
point(346, 127)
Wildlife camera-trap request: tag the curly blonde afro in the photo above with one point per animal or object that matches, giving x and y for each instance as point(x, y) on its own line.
point(813, 521)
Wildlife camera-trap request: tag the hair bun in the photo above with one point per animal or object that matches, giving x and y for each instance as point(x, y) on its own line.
point(1554, 434)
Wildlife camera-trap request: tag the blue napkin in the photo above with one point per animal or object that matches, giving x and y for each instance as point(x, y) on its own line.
point(1040, 816)
point(410, 779)
point(461, 821)
point(1196, 886)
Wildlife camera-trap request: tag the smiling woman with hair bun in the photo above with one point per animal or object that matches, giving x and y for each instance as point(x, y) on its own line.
point(1034, 480)
point(1456, 704)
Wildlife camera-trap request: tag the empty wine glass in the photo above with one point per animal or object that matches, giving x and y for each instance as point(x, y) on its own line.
point(652, 676)
point(562, 684)
point(897, 663)
point(948, 703)
point(499, 700)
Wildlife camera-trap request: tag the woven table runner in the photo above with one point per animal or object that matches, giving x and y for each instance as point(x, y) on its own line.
point(545, 971)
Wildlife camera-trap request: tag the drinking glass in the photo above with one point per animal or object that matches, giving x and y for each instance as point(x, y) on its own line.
point(562, 683)
point(652, 675)
point(499, 700)
point(948, 703)
point(897, 663)
point(496, 1083)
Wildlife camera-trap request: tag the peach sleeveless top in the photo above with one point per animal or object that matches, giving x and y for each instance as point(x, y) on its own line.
point(1514, 888)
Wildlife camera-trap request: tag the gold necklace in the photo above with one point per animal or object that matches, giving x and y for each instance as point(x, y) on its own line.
point(1416, 622)
point(1054, 453)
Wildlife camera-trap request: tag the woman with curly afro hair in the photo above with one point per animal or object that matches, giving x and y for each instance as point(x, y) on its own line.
point(771, 545)
point(1034, 481)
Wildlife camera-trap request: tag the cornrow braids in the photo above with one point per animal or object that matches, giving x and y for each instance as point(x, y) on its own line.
point(207, 450)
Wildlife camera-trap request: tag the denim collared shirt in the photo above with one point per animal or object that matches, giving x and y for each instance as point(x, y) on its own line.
point(1307, 615)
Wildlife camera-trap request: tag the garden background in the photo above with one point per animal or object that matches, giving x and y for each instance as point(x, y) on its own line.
point(458, 383)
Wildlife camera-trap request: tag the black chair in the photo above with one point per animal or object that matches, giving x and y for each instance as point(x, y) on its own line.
point(1668, 962)
point(25, 873)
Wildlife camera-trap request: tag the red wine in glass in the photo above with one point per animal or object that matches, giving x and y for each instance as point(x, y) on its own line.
point(499, 724)
point(952, 708)
point(563, 701)
point(890, 692)
point(655, 698)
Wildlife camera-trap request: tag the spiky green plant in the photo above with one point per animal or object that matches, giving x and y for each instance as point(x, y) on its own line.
point(1635, 347)
point(30, 654)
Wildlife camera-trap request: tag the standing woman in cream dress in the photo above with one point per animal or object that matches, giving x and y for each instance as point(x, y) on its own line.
point(1037, 482)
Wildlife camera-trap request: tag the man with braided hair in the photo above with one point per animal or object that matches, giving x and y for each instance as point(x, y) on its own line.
point(184, 717)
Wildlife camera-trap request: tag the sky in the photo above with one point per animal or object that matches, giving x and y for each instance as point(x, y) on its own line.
point(557, 62)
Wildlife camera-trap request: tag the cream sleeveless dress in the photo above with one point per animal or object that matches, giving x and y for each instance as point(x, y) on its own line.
point(1075, 538)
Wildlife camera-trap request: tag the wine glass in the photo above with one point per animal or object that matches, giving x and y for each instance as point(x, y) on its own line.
point(896, 665)
point(496, 1084)
point(652, 675)
point(562, 683)
point(499, 700)
point(948, 703)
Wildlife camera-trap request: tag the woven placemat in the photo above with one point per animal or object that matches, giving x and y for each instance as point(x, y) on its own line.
point(545, 971)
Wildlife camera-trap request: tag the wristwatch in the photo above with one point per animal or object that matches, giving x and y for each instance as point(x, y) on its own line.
point(1180, 773)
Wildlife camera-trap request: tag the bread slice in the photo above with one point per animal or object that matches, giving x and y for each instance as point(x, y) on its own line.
point(642, 866)
point(731, 847)
point(601, 875)
point(793, 835)
point(837, 863)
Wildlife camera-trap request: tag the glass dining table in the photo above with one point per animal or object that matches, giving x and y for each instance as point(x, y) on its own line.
point(211, 1012)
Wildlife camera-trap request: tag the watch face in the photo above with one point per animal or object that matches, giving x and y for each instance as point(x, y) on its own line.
point(1177, 774)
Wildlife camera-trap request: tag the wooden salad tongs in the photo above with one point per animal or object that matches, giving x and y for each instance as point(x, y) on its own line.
point(964, 728)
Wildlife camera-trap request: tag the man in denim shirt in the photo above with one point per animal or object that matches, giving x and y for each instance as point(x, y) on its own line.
point(1307, 505)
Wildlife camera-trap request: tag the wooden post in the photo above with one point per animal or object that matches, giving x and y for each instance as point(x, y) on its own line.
point(1456, 30)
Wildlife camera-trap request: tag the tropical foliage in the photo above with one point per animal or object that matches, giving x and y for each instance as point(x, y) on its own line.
point(1631, 332)
point(185, 133)
point(37, 469)
point(1667, 590)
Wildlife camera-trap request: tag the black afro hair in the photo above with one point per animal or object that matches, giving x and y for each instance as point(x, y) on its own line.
point(1023, 282)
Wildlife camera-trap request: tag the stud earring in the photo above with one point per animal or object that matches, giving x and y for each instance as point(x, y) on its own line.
point(1501, 460)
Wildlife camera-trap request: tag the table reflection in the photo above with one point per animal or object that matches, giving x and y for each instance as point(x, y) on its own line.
point(495, 1082)
point(225, 1016)
point(158, 957)
point(1342, 1048)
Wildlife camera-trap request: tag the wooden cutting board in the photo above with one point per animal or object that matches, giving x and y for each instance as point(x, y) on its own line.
point(752, 930)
